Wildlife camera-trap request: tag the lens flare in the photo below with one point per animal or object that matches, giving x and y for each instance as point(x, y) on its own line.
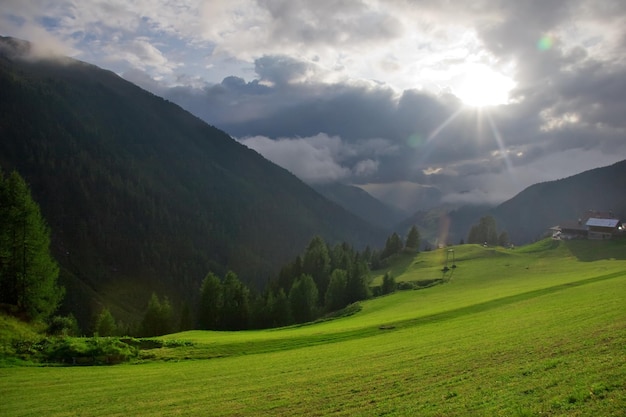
point(415, 140)
point(545, 43)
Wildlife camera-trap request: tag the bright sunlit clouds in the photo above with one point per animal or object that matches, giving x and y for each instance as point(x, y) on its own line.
point(481, 86)
point(402, 88)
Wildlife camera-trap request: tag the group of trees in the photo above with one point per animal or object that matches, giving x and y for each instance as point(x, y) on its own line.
point(486, 231)
point(394, 244)
point(28, 273)
point(321, 280)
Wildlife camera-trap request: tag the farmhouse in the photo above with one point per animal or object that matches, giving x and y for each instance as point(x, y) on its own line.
point(593, 225)
point(599, 228)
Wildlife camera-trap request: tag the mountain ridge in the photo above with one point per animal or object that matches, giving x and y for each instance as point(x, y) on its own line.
point(143, 196)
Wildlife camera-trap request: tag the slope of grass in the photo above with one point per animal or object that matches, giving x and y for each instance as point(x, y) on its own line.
point(513, 333)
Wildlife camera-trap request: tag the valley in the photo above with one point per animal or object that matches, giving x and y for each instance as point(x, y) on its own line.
point(529, 331)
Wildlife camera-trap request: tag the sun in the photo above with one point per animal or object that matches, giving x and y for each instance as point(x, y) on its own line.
point(480, 86)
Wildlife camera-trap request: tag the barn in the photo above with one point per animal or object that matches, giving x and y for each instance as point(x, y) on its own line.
point(599, 228)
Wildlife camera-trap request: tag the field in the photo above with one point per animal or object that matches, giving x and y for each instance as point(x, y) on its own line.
point(538, 330)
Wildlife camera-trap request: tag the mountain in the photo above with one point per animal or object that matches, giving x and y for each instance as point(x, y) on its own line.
point(528, 216)
point(443, 224)
point(141, 195)
point(361, 203)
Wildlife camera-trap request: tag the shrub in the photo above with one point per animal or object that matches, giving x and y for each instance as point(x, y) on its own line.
point(88, 351)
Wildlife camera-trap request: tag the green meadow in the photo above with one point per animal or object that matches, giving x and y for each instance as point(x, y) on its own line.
point(533, 331)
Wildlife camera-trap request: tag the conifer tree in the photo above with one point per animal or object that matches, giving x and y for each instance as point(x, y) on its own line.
point(393, 245)
point(158, 317)
point(413, 239)
point(303, 299)
point(211, 301)
point(236, 304)
point(389, 283)
point(105, 324)
point(316, 263)
point(336, 293)
point(357, 287)
point(28, 272)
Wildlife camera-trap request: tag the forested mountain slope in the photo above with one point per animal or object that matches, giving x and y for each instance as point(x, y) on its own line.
point(527, 216)
point(141, 195)
point(361, 203)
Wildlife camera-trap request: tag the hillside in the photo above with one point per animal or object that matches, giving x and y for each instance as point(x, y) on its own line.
point(528, 215)
point(510, 332)
point(142, 196)
point(359, 202)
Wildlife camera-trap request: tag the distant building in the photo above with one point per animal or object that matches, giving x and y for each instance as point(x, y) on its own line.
point(594, 225)
point(601, 228)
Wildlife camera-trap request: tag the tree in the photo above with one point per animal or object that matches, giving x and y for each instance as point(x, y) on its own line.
point(393, 245)
point(503, 239)
point(413, 239)
point(389, 283)
point(280, 311)
point(484, 232)
point(211, 301)
point(28, 272)
point(186, 319)
point(303, 299)
point(236, 304)
point(335, 298)
point(358, 286)
point(158, 317)
point(316, 263)
point(105, 324)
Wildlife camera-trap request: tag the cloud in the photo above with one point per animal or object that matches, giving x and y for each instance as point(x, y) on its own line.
point(314, 159)
point(405, 195)
point(141, 55)
point(320, 158)
point(376, 78)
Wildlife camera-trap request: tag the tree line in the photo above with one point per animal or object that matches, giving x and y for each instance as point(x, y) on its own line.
point(322, 280)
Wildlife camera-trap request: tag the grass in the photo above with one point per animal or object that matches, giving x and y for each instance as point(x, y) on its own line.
point(533, 331)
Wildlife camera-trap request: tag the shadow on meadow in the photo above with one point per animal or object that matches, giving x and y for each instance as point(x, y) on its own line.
point(597, 250)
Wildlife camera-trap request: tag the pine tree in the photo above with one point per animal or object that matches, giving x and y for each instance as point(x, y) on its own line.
point(236, 304)
point(186, 319)
point(28, 272)
point(484, 232)
point(393, 245)
point(303, 299)
point(358, 286)
point(211, 301)
point(503, 238)
point(158, 317)
point(281, 311)
point(413, 239)
point(105, 324)
point(389, 284)
point(335, 298)
point(316, 263)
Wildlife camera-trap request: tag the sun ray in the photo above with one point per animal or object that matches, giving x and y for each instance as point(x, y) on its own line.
point(443, 125)
point(501, 147)
point(431, 137)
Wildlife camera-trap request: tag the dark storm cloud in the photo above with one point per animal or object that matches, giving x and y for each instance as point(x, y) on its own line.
point(414, 130)
point(568, 101)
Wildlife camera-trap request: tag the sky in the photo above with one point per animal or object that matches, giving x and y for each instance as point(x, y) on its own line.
point(420, 103)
